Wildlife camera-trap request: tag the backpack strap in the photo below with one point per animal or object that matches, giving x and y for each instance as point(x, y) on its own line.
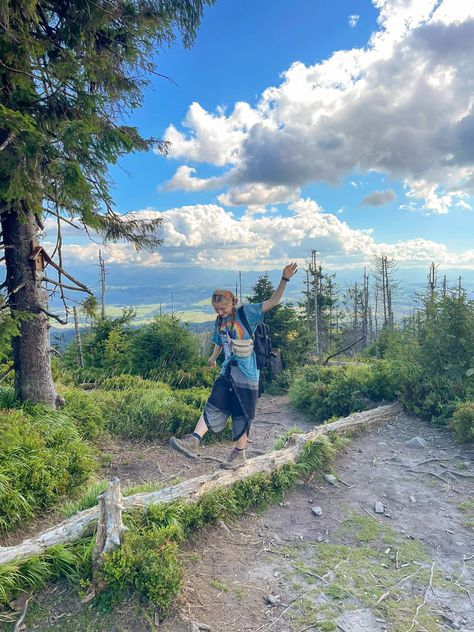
point(244, 320)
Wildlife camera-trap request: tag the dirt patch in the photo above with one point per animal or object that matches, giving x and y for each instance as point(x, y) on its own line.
point(288, 569)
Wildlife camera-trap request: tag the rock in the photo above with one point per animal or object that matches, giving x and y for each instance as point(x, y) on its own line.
point(359, 621)
point(317, 511)
point(412, 499)
point(300, 481)
point(417, 442)
point(284, 504)
point(319, 538)
point(330, 478)
point(379, 508)
point(273, 600)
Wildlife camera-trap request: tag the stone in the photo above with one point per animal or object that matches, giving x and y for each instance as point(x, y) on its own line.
point(330, 478)
point(359, 621)
point(379, 508)
point(417, 442)
point(273, 600)
point(317, 511)
point(412, 499)
point(319, 538)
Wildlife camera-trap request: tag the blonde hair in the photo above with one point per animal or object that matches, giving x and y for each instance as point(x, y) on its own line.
point(224, 295)
point(219, 296)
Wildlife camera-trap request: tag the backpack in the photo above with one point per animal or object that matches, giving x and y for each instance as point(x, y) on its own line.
point(262, 343)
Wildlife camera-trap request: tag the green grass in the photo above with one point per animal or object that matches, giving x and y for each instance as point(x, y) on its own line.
point(148, 561)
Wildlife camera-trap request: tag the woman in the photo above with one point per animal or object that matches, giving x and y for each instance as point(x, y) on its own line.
point(235, 391)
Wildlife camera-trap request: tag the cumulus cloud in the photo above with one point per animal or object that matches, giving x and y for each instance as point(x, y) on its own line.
point(258, 194)
point(214, 138)
point(184, 179)
point(353, 20)
point(401, 106)
point(209, 236)
point(379, 198)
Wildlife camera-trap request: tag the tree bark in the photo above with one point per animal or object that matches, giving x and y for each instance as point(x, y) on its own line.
point(31, 355)
point(192, 489)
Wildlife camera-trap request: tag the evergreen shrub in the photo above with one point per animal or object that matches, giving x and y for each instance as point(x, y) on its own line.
point(336, 391)
point(462, 422)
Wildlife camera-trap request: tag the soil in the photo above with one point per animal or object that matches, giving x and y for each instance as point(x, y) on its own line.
point(408, 569)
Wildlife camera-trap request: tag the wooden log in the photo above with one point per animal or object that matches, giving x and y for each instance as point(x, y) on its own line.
point(190, 490)
point(109, 525)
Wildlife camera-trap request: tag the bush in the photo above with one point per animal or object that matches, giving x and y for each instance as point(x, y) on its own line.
point(196, 376)
point(86, 411)
point(148, 562)
point(42, 457)
point(152, 415)
point(462, 422)
point(149, 410)
point(163, 345)
point(327, 391)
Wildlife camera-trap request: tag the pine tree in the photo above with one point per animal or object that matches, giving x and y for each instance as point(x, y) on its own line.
point(69, 72)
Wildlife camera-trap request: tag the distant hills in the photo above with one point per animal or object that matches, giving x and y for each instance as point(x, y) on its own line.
point(187, 291)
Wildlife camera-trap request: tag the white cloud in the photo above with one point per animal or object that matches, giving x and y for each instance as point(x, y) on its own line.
point(402, 106)
point(214, 138)
point(353, 20)
point(434, 199)
point(258, 194)
point(208, 236)
point(184, 179)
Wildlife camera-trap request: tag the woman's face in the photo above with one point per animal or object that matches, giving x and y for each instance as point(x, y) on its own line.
point(223, 308)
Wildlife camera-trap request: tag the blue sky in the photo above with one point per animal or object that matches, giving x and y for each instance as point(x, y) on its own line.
point(347, 127)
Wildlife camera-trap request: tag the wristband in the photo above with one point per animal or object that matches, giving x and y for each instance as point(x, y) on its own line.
point(285, 279)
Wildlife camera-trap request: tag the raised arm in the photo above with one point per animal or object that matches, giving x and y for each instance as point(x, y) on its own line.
point(288, 272)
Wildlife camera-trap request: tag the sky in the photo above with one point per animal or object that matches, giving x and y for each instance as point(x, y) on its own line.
point(345, 127)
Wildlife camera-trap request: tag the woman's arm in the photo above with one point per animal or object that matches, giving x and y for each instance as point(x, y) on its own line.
point(288, 272)
point(215, 354)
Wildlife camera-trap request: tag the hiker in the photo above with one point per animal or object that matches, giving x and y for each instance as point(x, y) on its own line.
point(235, 390)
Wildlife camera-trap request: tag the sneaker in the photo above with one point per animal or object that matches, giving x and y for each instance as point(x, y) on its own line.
point(235, 459)
point(188, 445)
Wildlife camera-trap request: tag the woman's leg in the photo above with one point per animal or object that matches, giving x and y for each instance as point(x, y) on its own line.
point(201, 427)
point(242, 442)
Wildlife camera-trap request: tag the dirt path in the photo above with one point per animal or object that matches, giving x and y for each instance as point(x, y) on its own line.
point(287, 569)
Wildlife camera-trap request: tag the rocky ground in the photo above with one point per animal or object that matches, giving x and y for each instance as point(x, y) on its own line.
point(386, 545)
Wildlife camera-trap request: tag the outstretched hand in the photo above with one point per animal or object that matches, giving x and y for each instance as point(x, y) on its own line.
point(290, 270)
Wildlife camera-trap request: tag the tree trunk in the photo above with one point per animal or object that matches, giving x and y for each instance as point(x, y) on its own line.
point(31, 350)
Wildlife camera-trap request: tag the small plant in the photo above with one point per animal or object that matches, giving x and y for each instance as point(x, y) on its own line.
point(148, 562)
point(462, 422)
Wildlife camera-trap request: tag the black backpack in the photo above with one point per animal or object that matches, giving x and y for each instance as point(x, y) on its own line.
point(262, 343)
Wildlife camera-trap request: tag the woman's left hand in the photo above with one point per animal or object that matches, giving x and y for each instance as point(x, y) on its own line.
point(290, 270)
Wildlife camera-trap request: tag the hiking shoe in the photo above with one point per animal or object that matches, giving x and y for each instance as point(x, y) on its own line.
point(188, 445)
point(235, 459)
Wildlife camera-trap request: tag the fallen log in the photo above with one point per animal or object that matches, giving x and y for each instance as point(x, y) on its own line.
point(190, 490)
